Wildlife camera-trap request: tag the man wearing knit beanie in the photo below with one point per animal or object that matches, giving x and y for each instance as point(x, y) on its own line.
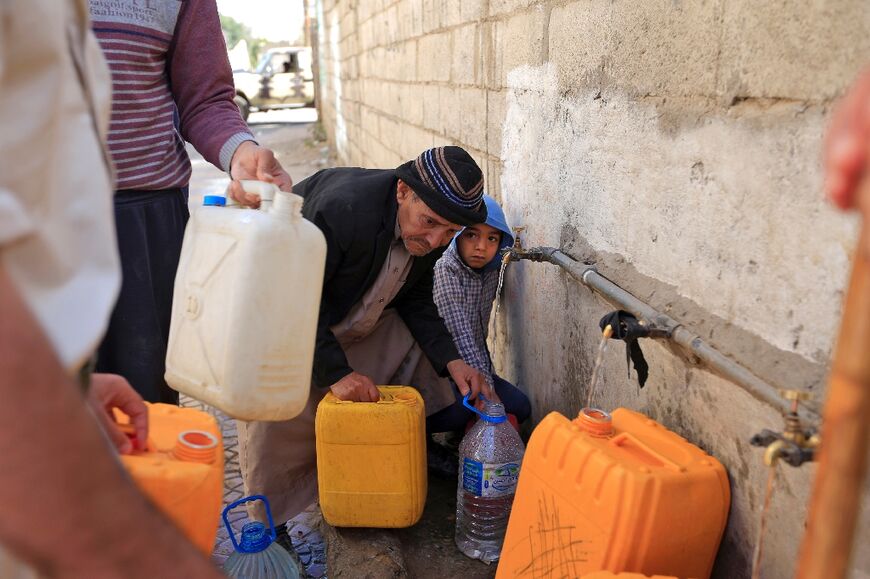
point(378, 323)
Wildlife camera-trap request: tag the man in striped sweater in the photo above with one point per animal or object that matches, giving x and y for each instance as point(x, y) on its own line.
point(171, 83)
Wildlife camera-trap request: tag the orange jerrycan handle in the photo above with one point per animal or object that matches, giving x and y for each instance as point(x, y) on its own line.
point(635, 446)
point(834, 506)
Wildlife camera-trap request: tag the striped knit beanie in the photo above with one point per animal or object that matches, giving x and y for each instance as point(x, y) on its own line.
point(449, 181)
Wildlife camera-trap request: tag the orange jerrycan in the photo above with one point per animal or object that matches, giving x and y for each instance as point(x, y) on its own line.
point(182, 470)
point(618, 493)
point(371, 459)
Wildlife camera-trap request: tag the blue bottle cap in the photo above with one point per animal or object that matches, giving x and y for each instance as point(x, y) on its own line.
point(255, 538)
point(493, 411)
point(216, 200)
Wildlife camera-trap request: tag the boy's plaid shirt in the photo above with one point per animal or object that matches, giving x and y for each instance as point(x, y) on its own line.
point(464, 298)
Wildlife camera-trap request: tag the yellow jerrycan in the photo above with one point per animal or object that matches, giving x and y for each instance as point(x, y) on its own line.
point(245, 307)
point(616, 493)
point(371, 459)
point(182, 469)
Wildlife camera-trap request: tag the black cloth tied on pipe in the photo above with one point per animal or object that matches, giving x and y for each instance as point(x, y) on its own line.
point(626, 328)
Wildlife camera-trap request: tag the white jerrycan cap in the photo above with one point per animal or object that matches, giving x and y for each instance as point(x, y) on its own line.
point(272, 199)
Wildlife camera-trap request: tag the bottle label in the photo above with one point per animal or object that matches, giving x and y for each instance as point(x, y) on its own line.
point(485, 479)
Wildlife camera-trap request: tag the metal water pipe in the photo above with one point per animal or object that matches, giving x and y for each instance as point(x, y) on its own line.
point(662, 325)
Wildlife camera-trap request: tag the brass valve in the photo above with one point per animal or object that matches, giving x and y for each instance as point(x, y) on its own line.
point(796, 444)
point(518, 244)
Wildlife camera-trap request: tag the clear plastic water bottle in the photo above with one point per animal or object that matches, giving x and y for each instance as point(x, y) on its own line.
point(490, 456)
point(257, 556)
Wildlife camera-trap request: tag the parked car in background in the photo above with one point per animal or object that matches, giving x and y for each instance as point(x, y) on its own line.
point(282, 77)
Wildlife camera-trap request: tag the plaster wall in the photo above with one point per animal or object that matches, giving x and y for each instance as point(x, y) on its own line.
point(677, 145)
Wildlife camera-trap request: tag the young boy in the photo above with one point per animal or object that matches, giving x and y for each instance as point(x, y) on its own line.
point(466, 279)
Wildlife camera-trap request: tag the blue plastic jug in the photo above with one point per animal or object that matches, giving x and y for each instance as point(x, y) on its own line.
point(256, 555)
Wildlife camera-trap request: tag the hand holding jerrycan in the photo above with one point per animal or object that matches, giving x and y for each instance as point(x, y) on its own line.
point(257, 555)
point(245, 307)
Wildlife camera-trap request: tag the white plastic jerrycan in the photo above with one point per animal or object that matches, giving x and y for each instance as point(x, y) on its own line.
point(245, 307)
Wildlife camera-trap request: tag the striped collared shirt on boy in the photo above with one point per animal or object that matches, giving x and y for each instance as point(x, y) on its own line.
point(464, 298)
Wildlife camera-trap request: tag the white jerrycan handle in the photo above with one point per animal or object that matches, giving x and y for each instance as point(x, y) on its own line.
point(272, 199)
point(266, 191)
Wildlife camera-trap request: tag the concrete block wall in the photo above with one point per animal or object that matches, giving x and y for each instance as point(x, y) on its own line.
point(677, 145)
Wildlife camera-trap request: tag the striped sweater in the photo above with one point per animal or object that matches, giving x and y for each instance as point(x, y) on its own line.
point(171, 83)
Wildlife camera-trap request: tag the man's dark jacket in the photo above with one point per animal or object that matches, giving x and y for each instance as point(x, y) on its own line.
point(356, 211)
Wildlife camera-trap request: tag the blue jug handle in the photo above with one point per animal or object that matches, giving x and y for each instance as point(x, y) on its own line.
point(488, 418)
point(249, 499)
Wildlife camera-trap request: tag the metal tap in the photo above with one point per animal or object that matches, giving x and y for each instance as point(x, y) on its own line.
point(518, 243)
point(796, 444)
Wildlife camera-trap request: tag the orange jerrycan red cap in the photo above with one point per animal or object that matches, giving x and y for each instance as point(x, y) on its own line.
point(596, 422)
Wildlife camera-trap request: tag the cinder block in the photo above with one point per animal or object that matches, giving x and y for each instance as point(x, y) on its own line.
point(497, 7)
point(472, 10)
point(350, 90)
point(377, 25)
point(393, 104)
point(432, 110)
point(414, 141)
point(433, 57)
point(375, 94)
point(404, 16)
point(364, 11)
point(376, 6)
point(351, 68)
point(473, 117)
point(407, 62)
point(517, 41)
point(412, 103)
point(794, 50)
point(350, 46)
point(416, 17)
point(370, 122)
point(481, 158)
point(450, 112)
point(366, 63)
point(657, 48)
point(451, 13)
point(495, 120)
point(663, 48)
point(386, 158)
point(366, 35)
point(432, 14)
point(389, 130)
point(365, 89)
point(377, 58)
point(493, 176)
point(387, 67)
point(347, 25)
point(390, 25)
point(466, 55)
